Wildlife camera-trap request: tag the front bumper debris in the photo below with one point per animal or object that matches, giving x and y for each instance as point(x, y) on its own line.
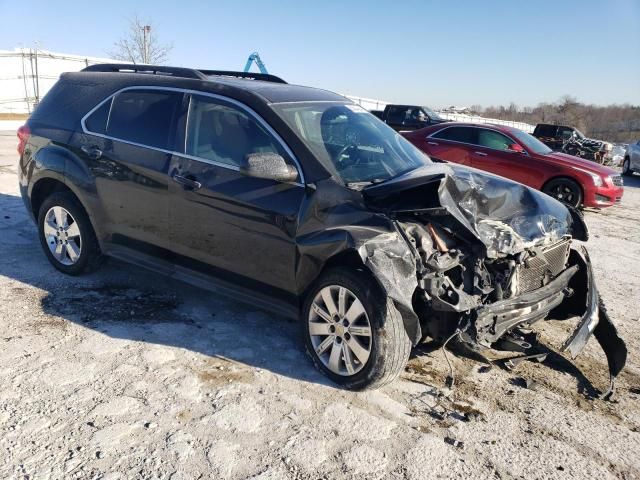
point(573, 293)
point(595, 320)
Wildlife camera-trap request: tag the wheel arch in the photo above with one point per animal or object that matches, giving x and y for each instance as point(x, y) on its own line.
point(47, 185)
point(351, 256)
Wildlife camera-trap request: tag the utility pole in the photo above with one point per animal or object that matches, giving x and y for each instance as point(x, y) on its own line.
point(146, 36)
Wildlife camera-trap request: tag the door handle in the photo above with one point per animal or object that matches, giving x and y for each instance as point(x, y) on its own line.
point(435, 144)
point(187, 183)
point(482, 154)
point(93, 152)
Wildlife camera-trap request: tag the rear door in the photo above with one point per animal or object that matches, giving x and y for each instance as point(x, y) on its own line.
point(127, 148)
point(452, 144)
point(492, 154)
point(240, 228)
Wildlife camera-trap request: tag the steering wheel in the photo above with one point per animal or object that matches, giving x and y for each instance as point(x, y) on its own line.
point(351, 138)
point(346, 150)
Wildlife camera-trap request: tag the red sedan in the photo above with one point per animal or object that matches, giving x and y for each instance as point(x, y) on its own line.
point(516, 155)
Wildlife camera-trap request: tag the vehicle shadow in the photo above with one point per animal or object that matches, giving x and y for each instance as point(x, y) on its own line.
point(125, 302)
point(632, 181)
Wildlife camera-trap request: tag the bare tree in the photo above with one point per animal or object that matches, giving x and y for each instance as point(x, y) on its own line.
point(140, 44)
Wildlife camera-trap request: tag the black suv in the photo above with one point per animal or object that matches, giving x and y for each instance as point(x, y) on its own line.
point(297, 200)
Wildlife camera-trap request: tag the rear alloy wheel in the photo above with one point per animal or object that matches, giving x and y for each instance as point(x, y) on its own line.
point(626, 167)
point(62, 235)
point(66, 234)
point(564, 190)
point(353, 332)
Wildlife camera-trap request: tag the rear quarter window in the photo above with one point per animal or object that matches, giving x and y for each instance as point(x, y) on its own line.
point(97, 121)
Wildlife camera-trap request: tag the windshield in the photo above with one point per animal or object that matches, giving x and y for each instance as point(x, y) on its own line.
point(433, 115)
point(350, 141)
point(579, 134)
point(531, 142)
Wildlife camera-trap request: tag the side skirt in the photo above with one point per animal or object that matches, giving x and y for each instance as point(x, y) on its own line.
point(202, 280)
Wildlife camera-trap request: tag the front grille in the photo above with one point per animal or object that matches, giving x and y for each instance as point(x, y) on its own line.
point(539, 270)
point(617, 180)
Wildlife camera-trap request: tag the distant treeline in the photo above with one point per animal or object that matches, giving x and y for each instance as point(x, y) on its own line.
point(613, 123)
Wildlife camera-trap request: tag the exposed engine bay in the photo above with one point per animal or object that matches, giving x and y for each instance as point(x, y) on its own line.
point(490, 258)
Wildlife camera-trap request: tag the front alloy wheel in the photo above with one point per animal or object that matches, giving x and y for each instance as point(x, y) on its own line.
point(340, 330)
point(352, 331)
point(626, 167)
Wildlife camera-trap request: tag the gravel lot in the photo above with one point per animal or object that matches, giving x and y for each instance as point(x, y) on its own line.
point(125, 374)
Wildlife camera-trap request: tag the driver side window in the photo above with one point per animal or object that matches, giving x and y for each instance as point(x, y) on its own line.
point(493, 139)
point(225, 134)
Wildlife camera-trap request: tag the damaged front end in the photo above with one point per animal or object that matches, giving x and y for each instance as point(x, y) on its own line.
point(487, 257)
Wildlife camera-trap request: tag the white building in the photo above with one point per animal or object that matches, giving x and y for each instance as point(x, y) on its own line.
point(27, 74)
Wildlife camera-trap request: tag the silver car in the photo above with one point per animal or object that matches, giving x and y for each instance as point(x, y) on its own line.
point(631, 159)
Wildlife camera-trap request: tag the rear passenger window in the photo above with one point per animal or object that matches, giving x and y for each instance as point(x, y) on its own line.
point(457, 134)
point(225, 134)
point(145, 117)
point(97, 121)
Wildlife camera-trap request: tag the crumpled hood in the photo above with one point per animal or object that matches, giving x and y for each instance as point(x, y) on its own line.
point(505, 216)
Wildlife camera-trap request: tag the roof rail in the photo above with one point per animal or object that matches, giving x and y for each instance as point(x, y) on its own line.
point(178, 72)
point(148, 69)
point(267, 77)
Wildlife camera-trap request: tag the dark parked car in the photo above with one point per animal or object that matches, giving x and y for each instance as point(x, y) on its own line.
point(517, 155)
point(570, 140)
point(403, 118)
point(297, 200)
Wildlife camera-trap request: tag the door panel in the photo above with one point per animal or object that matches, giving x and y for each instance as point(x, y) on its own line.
point(244, 227)
point(132, 184)
point(448, 151)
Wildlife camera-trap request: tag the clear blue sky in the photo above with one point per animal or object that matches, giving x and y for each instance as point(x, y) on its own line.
point(432, 52)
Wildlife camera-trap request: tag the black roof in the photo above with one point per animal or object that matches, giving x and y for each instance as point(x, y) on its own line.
point(271, 88)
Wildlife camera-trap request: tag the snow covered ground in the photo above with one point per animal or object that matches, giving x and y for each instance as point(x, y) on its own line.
point(125, 374)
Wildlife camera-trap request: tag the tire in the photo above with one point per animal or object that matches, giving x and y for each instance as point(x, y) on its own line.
point(59, 241)
point(626, 167)
point(564, 190)
point(388, 344)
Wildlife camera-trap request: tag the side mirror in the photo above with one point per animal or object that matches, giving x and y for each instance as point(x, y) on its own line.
point(270, 166)
point(516, 147)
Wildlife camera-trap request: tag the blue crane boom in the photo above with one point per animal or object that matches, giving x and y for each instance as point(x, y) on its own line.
point(254, 57)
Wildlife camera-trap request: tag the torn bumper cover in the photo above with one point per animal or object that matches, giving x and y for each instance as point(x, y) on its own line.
point(595, 320)
point(572, 293)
